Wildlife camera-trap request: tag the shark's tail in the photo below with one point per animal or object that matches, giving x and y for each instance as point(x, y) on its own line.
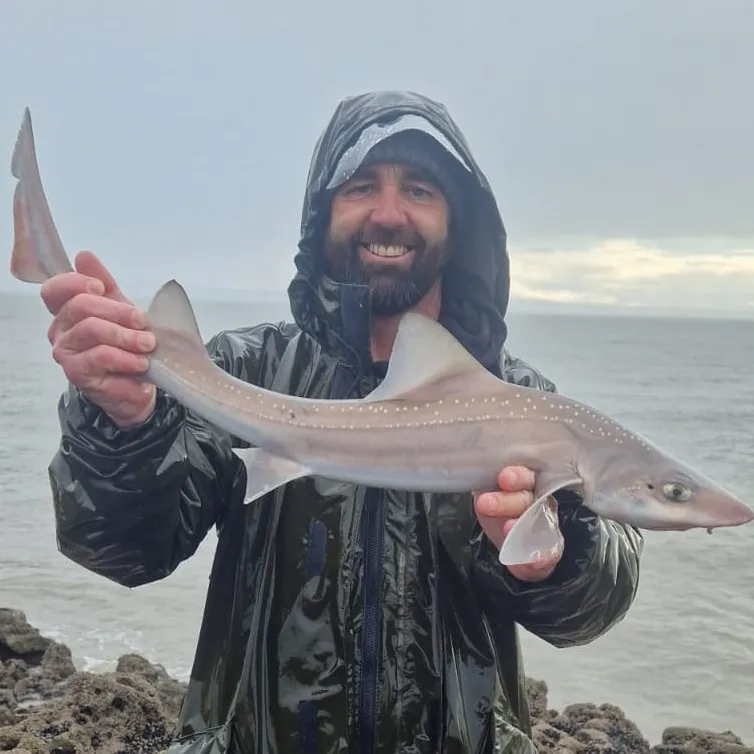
point(38, 252)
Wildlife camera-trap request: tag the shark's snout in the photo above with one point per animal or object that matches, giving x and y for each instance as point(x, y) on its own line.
point(719, 510)
point(739, 514)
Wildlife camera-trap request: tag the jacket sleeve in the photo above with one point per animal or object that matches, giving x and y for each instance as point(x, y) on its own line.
point(593, 585)
point(132, 504)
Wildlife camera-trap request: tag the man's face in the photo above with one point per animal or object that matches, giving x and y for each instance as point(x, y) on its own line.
point(388, 230)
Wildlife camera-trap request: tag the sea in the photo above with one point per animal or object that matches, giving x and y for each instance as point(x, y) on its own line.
point(683, 655)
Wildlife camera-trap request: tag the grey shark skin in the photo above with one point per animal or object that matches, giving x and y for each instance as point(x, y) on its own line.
point(439, 422)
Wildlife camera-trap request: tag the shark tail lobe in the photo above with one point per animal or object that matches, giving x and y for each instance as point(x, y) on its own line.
point(38, 252)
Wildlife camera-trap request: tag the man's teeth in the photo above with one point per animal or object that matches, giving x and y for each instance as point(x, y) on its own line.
point(380, 250)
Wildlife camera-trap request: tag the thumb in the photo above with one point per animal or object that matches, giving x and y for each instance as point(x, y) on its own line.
point(89, 264)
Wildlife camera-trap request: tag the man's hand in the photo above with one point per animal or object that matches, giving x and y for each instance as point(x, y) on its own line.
point(99, 339)
point(497, 512)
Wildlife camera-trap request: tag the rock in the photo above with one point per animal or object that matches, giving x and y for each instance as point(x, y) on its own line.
point(678, 740)
point(590, 723)
point(589, 729)
point(8, 706)
point(109, 713)
point(170, 691)
point(48, 707)
point(536, 691)
point(19, 640)
point(33, 668)
point(604, 729)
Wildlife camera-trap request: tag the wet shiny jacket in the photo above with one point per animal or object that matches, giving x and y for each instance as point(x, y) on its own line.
point(338, 618)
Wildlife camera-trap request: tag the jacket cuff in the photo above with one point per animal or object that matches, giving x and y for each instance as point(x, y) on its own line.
point(81, 417)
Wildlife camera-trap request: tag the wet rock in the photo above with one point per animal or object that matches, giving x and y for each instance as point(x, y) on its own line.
point(110, 713)
point(680, 740)
point(536, 692)
point(169, 690)
point(47, 707)
point(19, 640)
point(604, 729)
point(589, 729)
point(33, 668)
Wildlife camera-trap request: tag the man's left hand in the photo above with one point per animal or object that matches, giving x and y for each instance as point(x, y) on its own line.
point(497, 513)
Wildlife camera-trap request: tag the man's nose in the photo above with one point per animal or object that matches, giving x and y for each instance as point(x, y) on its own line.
point(389, 210)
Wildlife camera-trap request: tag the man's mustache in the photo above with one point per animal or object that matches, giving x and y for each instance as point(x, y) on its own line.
point(389, 237)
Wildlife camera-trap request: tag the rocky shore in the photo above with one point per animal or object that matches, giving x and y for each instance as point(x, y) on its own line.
point(47, 706)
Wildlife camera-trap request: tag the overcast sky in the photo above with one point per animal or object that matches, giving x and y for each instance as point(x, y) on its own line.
point(174, 137)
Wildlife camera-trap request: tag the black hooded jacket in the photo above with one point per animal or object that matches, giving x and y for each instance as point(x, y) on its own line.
point(338, 618)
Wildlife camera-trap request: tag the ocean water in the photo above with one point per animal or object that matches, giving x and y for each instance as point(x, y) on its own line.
point(684, 655)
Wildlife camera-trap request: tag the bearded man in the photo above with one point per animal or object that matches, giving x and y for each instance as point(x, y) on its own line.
point(338, 618)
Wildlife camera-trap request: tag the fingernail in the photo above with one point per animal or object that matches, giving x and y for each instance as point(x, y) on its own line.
point(146, 340)
point(492, 504)
point(96, 287)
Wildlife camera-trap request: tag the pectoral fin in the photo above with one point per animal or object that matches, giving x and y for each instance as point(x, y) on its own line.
point(266, 472)
point(536, 535)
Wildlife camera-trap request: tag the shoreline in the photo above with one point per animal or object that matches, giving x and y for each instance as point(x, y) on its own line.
point(47, 705)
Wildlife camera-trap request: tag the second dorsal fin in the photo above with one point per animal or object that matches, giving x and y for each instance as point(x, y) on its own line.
point(171, 308)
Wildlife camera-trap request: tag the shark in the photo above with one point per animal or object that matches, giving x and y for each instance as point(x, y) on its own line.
point(439, 422)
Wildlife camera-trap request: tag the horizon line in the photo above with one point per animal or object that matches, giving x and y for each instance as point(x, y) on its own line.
point(517, 305)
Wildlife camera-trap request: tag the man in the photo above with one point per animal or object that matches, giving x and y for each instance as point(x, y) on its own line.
point(337, 618)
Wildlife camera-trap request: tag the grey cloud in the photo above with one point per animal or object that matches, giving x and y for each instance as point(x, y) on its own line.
point(177, 134)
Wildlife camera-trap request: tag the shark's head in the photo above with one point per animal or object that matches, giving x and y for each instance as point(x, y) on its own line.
point(665, 495)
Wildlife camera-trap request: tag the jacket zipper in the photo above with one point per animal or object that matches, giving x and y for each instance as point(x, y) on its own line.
point(370, 642)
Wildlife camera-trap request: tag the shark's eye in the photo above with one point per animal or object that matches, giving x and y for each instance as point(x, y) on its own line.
point(675, 492)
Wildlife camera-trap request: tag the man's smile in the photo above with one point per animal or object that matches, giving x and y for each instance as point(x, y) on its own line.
point(391, 251)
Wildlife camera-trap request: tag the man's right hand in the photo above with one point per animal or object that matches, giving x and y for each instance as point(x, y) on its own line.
point(99, 340)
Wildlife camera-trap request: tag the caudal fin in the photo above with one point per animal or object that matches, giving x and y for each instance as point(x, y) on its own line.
point(23, 149)
point(38, 252)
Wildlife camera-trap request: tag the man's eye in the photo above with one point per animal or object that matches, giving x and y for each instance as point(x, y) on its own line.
point(358, 188)
point(420, 192)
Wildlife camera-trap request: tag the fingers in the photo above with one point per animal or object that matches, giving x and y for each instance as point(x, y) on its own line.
point(503, 504)
point(535, 571)
point(515, 496)
point(85, 306)
point(498, 513)
point(92, 368)
point(60, 289)
point(515, 478)
point(91, 277)
point(99, 339)
point(89, 264)
point(93, 332)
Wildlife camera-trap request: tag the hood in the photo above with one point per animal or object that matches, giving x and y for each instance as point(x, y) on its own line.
point(476, 279)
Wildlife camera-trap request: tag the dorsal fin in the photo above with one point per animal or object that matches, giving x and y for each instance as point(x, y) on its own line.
point(424, 353)
point(171, 308)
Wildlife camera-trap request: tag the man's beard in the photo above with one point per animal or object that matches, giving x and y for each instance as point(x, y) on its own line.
point(393, 289)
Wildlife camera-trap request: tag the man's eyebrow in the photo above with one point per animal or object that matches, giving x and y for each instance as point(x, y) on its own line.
point(421, 176)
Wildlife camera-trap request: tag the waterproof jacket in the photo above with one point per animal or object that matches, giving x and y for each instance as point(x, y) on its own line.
point(338, 618)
